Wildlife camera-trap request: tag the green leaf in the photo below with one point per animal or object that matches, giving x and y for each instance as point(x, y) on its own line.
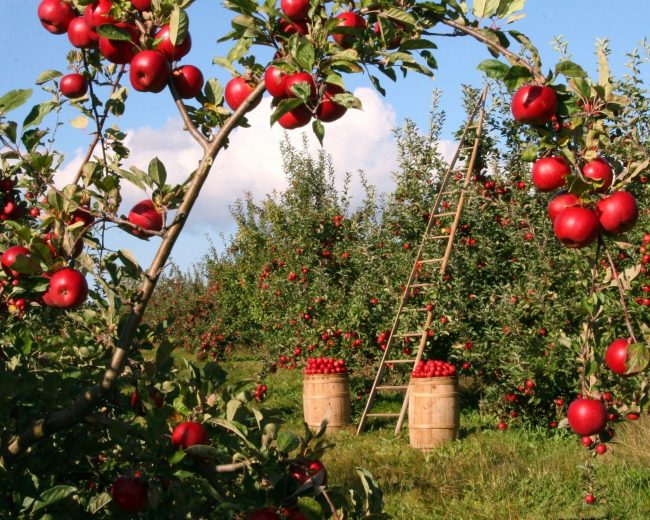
point(525, 41)
point(47, 75)
point(287, 442)
point(494, 68)
point(38, 112)
point(517, 76)
point(213, 92)
point(80, 122)
point(306, 55)
point(99, 502)
point(570, 69)
point(13, 99)
point(157, 172)
point(177, 457)
point(113, 33)
point(9, 130)
point(637, 359)
point(286, 105)
point(485, 8)
point(310, 509)
point(130, 263)
point(135, 176)
point(530, 153)
point(231, 409)
point(203, 452)
point(53, 495)
point(178, 26)
point(508, 7)
point(400, 16)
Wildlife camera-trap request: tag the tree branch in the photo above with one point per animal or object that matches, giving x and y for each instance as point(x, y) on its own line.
point(189, 126)
point(621, 294)
point(67, 417)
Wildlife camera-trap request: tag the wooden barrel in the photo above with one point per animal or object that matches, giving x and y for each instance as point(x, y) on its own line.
point(434, 414)
point(326, 395)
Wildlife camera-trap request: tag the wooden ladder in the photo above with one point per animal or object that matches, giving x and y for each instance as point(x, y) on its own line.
point(422, 258)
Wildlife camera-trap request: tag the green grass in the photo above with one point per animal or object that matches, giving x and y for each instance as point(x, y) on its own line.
point(486, 474)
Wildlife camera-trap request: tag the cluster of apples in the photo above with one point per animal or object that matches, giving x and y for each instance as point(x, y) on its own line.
point(324, 365)
point(147, 49)
point(576, 222)
point(434, 368)
point(10, 207)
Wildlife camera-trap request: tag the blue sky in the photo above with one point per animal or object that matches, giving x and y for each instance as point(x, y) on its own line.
point(27, 49)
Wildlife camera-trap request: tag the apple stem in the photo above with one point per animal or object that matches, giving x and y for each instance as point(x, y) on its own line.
point(621, 293)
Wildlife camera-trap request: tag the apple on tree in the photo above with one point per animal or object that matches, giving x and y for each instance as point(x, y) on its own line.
point(68, 289)
point(141, 5)
point(348, 20)
point(149, 71)
point(297, 78)
point(295, 10)
point(10, 256)
point(549, 173)
point(120, 51)
point(263, 514)
point(600, 172)
point(587, 416)
point(295, 118)
point(576, 227)
point(616, 357)
point(236, 92)
point(164, 44)
point(188, 81)
point(56, 15)
point(81, 35)
point(618, 212)
point(188, 434)
point(146, 215)
point(534, 104)
point(560, 202)
point(98, 13)
point(73, 85)
point(129, 494)
point(328, 110)
point(274, 81)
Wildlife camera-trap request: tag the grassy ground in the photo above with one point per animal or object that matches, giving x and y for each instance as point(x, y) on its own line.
point(486, 474)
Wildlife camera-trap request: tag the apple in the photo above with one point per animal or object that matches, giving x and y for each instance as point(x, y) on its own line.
point(55, 15)
point(274, 81)
point(299, 77)
point(172, 52)
point(502, 426)
point(188, 434)
point(310, 469)
point(534, 104)
point(599, 171)
point(120, 51)
point(601, 449)
point(618, 212)
point(328, 110)
point(263, 514)
point(141, 5)
point(236, 92)
point(73, 85)
point(68, 289)
point(81, 35)
point(590, 499)
point(299, 116)
point(293, 514)
point(397, 38)
point(560, 202)
point(10, 256)
point(587, 416)
point(149, 71)
point(549, 173)
point(576, 227)
point(616, 356)
point(98, 13)
point(188, 81)
point(351, 20)
point(146, 215)
point(129, 494)
point(295, 10)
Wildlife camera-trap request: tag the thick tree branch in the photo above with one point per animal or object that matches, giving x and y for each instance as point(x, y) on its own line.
point(67, 417)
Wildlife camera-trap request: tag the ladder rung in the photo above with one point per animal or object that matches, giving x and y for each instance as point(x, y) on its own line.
point(382, 415)
point(409, 334)
point(435, 237)
point(399, 361)
point(448, 214)
point(416, 285)
point(392, 387)
point(415, 309)
point(431, 260)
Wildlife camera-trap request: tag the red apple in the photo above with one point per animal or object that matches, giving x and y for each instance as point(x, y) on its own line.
point(129, 494)
point(549, 173)
point(149, 71)
point(236, 92)
point(534, 104)
point(274, 81)
point(98, 13)
point(10, 256)
point(188, 81)
point(73, 85)
point(55, 15)
point(295, 118)
point(293, 514)
point(351, 20)
point(617, 213)
point(576, 227)
point(295, 10)
point(287, 27)
point(397, 35)
point(68, 289)
point(80, 35)
point(172, 52)
point(146, 215)
point(120, 51)
point(587, 416)
point(188, 434)
point(560, 202)
point(299, 77)
point(141, 5)
point(616, 357)
point(599, 171)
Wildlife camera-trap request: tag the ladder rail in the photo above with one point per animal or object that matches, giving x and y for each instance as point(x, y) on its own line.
point(442, 192)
